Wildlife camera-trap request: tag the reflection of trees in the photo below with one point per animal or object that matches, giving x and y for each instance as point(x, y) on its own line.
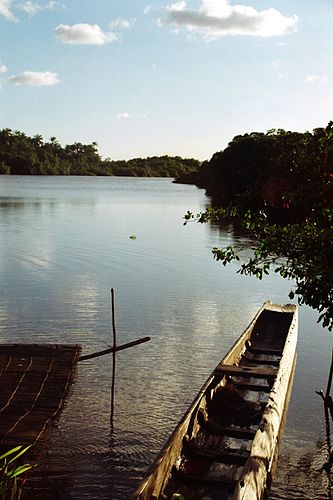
point(236, 233)
point(10, 206)
point(301, 474)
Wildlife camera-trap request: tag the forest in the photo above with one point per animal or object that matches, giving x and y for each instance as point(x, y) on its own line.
point(282, 170)
point(24, 155)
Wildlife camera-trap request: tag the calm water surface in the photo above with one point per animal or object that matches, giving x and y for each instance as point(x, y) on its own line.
point(64, 242)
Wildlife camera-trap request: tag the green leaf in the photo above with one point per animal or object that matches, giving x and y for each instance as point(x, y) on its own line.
point(19, 454)
point(10, 452)
point(19, 470)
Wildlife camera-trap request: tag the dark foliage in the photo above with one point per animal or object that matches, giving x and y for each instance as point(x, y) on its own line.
point(154, 166)
point(277, 170)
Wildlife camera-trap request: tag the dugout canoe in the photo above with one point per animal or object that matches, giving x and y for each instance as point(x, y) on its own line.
point(226, 445)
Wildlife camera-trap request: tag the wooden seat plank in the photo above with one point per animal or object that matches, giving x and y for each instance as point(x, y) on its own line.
point(230, 431)
point(261, 361)
point(259, 350)
point(247, 386)
point(227, 456)
point(246, 371)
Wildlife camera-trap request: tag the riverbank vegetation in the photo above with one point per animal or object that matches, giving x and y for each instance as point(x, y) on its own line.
point(279, 187)
point(11, 473)
point(24, 155)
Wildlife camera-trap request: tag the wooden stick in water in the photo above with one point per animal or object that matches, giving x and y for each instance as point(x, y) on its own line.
point(113, 318)
point(111, 349)
point(113, 355)
point(329, 383)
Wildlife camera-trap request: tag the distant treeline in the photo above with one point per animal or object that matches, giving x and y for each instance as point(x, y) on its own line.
point(279, 169)
point(24, 155)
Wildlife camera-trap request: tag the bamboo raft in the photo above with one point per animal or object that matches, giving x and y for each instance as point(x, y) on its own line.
point(34, 381)
point(226, 444)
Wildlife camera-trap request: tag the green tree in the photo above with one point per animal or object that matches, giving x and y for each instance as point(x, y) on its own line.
point(20, 154)
point(154, 166)
point(4, 169)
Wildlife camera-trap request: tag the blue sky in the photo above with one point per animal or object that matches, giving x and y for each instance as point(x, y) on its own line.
point(145, 78)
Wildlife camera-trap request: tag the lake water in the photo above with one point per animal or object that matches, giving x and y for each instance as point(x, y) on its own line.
point(64, 242)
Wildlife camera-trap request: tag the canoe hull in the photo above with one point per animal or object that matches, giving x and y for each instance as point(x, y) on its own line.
point(256, 471)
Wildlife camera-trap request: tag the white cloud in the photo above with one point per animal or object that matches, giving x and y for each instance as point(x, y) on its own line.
point(5, 10)
point(3, 68)
point(122, 23)
point(35, 78)
point(32, 8)
point(85, 34)
point(175, 7)
point(316, 78)
point(123, 115)
point(215, 18)
point(28, 6)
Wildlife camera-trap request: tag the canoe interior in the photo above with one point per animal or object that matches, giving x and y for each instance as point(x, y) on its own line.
point(271, 329)
point(206, 455)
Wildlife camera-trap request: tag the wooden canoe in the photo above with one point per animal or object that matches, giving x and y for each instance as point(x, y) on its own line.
point(226, 444)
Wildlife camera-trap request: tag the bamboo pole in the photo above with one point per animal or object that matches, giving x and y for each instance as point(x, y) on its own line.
point(113, 383)
point(113, 317)
point(111, 349)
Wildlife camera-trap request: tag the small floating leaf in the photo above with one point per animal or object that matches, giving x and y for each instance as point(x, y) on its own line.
point(133, 237)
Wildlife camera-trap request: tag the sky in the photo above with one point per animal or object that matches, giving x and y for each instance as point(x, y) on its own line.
point(146, 77)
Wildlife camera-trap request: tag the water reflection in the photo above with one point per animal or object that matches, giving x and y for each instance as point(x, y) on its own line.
point(12, 206)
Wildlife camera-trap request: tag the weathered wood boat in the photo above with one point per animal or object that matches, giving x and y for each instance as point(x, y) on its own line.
point(226, 444)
